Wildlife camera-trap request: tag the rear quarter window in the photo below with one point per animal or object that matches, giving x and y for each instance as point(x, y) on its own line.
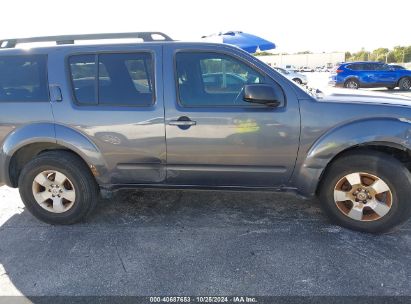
point(23, 78)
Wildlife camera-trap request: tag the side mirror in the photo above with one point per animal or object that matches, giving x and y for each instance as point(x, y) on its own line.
point(262, 94)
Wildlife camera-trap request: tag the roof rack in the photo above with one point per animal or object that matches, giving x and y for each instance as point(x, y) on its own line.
point(70, 39)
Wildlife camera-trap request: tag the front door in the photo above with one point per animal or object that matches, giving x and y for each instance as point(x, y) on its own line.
point(385, 75)
point(214, 138)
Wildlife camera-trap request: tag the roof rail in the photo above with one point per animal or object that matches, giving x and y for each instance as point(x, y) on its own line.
point(70, 39)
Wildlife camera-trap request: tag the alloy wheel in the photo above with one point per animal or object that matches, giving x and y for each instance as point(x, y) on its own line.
point(406, 84)
point(363, 196)
point(352, 84)
point(54, 191)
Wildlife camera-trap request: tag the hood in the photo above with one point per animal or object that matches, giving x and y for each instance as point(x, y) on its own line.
point(362, 96)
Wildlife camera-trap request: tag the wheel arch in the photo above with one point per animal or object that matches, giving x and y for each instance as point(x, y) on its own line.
point(402, 77)
point(387, 135)
point(397, 151)
point(21, 146)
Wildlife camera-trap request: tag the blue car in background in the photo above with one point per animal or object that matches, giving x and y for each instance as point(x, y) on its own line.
point(355, 75)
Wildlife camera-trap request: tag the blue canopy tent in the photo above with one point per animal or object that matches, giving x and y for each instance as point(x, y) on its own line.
point(248, 42)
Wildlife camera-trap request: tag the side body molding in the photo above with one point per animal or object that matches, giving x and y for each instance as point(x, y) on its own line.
point(390, 132)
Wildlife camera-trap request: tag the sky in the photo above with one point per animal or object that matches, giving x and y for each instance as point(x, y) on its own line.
point(293, 25)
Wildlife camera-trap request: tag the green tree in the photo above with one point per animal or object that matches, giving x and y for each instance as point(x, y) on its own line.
point(402, 53)
point(379, 54)
point(263, 54)
point(362, 55)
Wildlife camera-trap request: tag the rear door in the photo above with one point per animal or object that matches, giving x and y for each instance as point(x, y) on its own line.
point(214, 138)
point(113, 96)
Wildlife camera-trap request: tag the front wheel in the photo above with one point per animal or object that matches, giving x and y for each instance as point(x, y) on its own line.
point(405, 84)
point(58, 188)
point(367, 192)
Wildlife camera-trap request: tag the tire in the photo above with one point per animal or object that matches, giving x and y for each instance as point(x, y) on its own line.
point(352, 84)
point(298, 81)
point(46, 186)
point(404, 84)
point(393, 206)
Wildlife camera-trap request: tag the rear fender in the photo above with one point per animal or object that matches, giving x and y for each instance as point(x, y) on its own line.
point(81, 145)
point(54, 134)
point(20, 137)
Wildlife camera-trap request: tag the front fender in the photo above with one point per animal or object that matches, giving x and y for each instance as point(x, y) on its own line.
point(389, 132)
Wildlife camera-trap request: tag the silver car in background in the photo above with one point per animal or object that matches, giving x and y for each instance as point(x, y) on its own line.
point(294, 76)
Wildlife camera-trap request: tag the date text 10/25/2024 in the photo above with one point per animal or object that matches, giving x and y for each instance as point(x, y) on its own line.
point(176, 299)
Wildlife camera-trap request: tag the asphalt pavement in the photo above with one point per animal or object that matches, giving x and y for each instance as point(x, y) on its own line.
point(198, 243)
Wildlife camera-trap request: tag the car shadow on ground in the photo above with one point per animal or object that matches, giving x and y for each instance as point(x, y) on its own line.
point(199, 243)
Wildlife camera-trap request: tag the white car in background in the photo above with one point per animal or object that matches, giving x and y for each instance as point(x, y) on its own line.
point(294, 76)
point(289, 67)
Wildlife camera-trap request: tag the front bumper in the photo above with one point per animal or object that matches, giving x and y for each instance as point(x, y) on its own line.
point(334, 83)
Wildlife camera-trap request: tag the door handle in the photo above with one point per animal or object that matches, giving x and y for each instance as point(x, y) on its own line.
point(182, 122)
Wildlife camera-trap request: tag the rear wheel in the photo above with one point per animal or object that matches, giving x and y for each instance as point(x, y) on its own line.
point(352, 84)
point(367, 192)
point(58, 188)
point(404, 84)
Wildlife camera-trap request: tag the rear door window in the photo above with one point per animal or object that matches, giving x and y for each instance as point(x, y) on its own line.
point(369, 66)
point(23, 78)
point(122, 79)
point(83, 75)
point(125, 79)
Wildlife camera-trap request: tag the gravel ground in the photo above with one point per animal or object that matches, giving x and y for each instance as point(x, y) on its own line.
point(198, 243)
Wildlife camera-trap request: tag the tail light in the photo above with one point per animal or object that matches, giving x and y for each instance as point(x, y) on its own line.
point(339, 71)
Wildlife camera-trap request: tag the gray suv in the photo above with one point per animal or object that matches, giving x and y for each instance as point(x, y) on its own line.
point(78, 121)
